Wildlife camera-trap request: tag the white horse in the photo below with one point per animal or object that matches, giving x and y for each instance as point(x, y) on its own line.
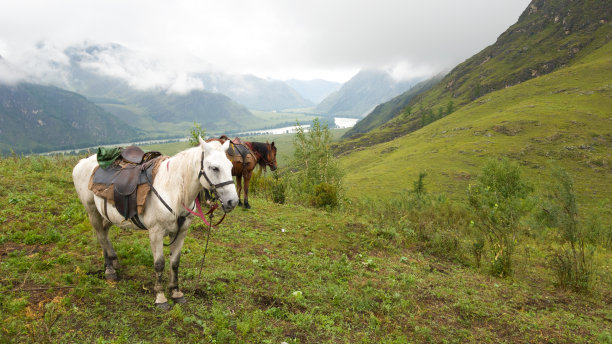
point(178, 182)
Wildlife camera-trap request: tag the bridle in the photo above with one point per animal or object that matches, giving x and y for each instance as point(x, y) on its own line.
point(215, 197)
point(213, 187)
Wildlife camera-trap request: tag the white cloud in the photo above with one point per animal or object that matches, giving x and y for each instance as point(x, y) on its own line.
point(276, 38)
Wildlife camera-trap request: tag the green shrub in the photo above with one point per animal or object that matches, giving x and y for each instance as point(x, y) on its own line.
point(499, 200)
point(325, 195)
point(277, 188)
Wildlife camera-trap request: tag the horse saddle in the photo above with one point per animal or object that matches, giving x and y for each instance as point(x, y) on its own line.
point(238, 150)
point(135, 169)
point(133, 154)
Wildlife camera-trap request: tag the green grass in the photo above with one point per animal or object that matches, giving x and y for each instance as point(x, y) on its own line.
point(272, 274)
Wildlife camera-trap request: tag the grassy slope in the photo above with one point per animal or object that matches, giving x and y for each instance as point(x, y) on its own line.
point(563, 117)
point(327, 278)
point(542, 41)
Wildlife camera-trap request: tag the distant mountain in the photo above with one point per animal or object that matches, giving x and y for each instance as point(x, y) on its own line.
point(386, 111)
point(358, 96)
point(35, 118)
point(314, 90)
point(253, 92)
point(90, 69)
point(150, 107)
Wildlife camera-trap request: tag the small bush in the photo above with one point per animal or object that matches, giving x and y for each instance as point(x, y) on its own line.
point(499, 200)
point(277, 188)
point(325, 195)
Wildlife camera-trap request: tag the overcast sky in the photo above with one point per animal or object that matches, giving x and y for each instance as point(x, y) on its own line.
point(280, 39)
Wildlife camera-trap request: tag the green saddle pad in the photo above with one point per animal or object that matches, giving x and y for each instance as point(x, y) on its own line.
point(106, 156)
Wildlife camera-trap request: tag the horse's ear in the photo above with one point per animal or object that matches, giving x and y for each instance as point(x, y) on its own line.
point(204, 145)
point(272, 144)
point(225, 145)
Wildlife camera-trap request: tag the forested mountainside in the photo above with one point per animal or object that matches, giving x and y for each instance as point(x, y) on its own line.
point(36, 118)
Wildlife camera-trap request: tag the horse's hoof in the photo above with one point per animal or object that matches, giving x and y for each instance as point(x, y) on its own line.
point(163, 306)
point(180, 300)
point(111, 277)
point(247, 206)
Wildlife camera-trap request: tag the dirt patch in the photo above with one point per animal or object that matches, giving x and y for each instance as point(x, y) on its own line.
point(462, 176)
point(9, 247)
point(388, 150)
point(509, 131)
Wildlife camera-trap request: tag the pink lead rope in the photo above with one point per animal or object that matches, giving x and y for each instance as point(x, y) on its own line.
point(201, 214)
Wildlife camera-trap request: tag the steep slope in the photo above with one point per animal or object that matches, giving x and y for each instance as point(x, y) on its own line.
point(362, 93)
point(35, 118)
point(562, 118)
point(314, 90)
point(547, 36)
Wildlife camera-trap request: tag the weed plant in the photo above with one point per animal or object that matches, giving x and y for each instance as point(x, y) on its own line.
point(572, 261)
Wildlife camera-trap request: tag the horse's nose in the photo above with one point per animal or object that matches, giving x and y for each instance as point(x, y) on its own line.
point(230, 205)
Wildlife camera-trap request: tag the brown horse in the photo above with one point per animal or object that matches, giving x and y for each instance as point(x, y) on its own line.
point(245, 155)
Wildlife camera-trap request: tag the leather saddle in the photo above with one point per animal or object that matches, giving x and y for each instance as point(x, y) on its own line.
point(135, 168)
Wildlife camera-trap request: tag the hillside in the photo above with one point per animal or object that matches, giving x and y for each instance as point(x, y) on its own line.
point(549, 35)
point(35, 118)
point(562, 118)
point(276, 273)
point(362, 93)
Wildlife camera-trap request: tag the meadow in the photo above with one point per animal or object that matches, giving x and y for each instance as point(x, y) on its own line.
point(279, 273)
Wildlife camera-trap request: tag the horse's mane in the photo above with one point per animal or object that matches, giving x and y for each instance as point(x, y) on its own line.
point(261, 148)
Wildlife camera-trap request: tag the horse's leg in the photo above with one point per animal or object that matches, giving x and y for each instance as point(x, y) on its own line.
point(157, 248)
point(247, 179)
point(111, 262)
point(175, 257)
point(239, 187)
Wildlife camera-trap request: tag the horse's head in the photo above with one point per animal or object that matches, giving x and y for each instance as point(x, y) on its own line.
point(216, 173)
point(271, 155)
